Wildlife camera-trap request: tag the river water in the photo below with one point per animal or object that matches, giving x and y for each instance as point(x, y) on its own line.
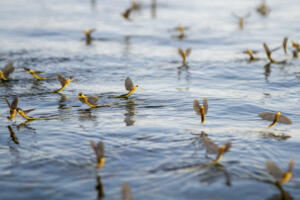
point(152, 138)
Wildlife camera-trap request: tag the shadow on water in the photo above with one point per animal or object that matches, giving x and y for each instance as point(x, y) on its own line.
point(130, 112)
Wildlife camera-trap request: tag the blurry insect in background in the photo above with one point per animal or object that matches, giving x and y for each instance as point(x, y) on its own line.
point(99, 152)
point(296, 45)
point(251, 54)
point(213, 148)
point(263, 9)
point(127, 12)
point(13, 135)
point(129, 86)
point(64, 82)
point(88, 35)
point(181, 32)
point(184, 54)
point(269, 52)
point(91, 101)
point(274, 118)
point(34, 73)
point(201, 109)
point(242, 19)
point(280, 176)
point(23, 113)
point(126, 192)
point(6, 71)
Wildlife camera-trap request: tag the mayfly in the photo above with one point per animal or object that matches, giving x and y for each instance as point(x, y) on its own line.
point(34, 73)
point(99, 152)
point(64, 82)
point(88, 35)
point(129, 86)
point(6, 71)
point(213, 148)
point(280, 176)
point(91, 101)
point(184, 54)
point(201, 109)
point(274, 118)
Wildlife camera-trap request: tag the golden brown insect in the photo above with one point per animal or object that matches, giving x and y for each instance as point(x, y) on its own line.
point(263, 9)
point(251, 54)
point(64, 82)
point(34, 73)
point(284, 45)
point(13, 135)
point(12, 107)
point(99, 152)
point(126, 192)
point(201, 109)
point(23, 113)
point(129, 86)
point(274, 118)
point(184, 54)
point(280, 176)
point(268, 52)
point(6, 71)
point(181, 31)
point(295, 54)
point(127, 12)
point(89, 100)
point(296, 45)
point(88, 35)
point(242, 19)
point(213, 148)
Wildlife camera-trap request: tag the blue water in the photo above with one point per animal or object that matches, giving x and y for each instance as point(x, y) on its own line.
point(149, 138)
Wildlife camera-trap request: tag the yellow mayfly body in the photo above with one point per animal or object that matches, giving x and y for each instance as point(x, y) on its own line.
point(213, 148)
point(34, 73)
point(251, 54)
point(6, 71)
point(126, 191)
point(181, 31)
point(129, 86)
point(12, 107)
point(268, 52)
point(274, 118)
point(91, 101)
point(64, 82)
point(201, 109)
point(280, 176)
point(23, 113)
point(184, 54)
point(88, 35)
point(99, 152)
point(263, 9)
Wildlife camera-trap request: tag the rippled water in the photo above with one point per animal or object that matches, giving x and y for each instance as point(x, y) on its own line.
point(149, 138)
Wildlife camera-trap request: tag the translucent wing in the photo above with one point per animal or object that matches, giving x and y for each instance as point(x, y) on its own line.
point(267, 116)
point(268, 52)
point(128, 84)
point(196, 106)
point(274, 170)
point(93, 147)
point(227, 146)
point(285, 120)
point(291, 166)
point(61, 79)
point(284, 44)
point(28, 111)
point(180, 52)
point(100, 149)
point(14, 104)
point(188, 51)
point(26, 69)
point(92, 100)
point(126, 192)
point(211, 147)
point(205, 105)
point(9, 68)
point(5, 99)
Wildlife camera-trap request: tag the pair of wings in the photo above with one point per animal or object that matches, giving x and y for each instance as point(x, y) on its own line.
point(196, 106)
point(61, 79)
point(8, 69)
point(211, 147)
point(275, 171)
point(128, 84)
point(187, 52)
point(91, 99)
point(99, 149)
point(271, 116)
point(14, 105)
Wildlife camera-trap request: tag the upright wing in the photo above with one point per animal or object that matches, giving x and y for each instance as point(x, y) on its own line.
point(100, 149)
point(5, 99)
point(128, 84)
point(14, 104)
point(196, 106)
point(8, 69)
point(268, 52)
point(267, 116)
point(28, 111)
point(61, 79)
point(126, 192)
point(274, 170)
point(284, 44)
point(92, 100)
point(180, 52)
point(188, 51)
point(205, 105)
